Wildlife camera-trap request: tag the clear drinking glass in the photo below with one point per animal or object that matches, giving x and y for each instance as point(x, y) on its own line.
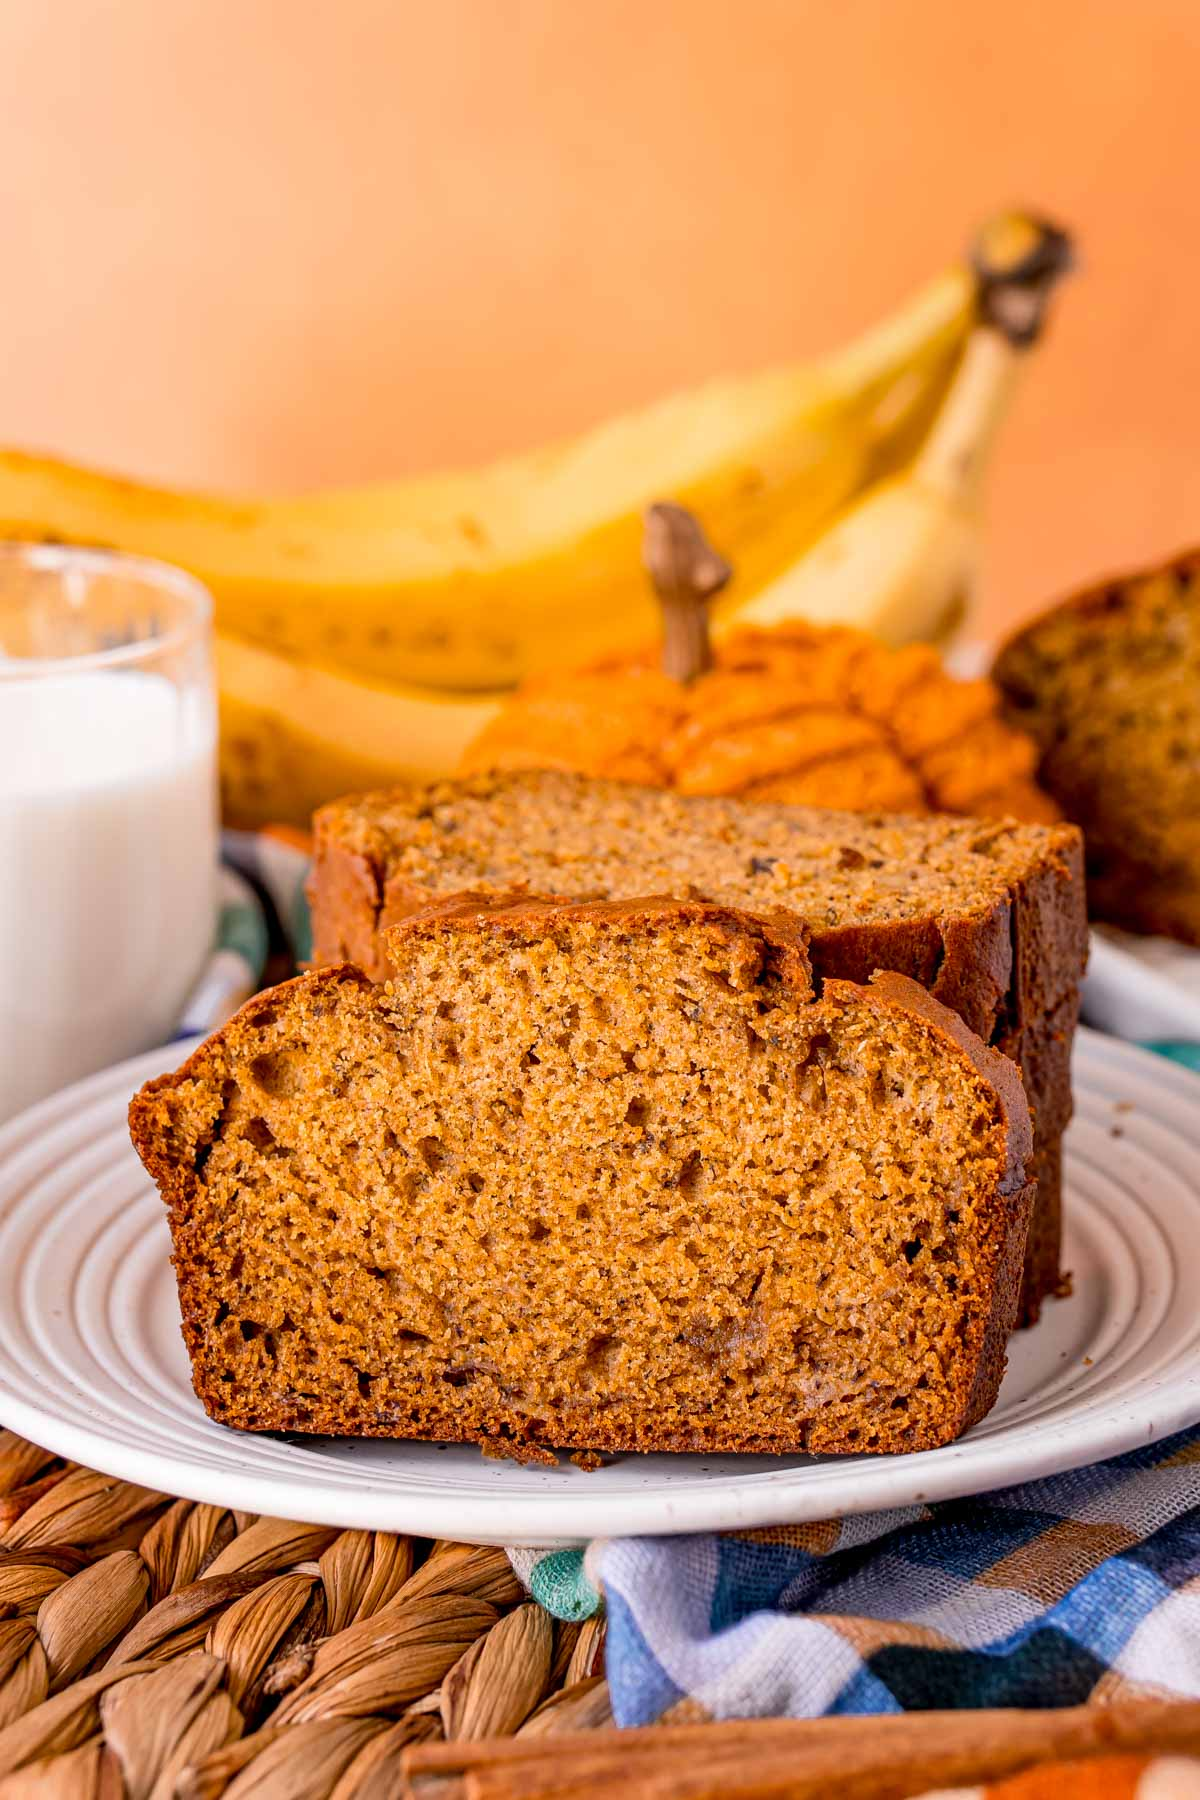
point(108, 817)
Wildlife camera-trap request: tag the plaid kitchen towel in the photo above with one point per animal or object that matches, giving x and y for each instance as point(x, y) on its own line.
point(1076, 1587)
point(260, 910)
point(238, 959)
point(1084, 1586)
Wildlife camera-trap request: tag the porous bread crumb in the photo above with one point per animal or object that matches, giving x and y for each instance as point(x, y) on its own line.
point(595, 1176)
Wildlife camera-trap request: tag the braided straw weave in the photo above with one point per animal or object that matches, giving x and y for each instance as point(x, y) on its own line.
point(153, 1649)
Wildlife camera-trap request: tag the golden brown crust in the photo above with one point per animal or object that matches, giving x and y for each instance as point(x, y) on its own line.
point(899, 992)
point(1013, 1226)
point(1043, 1251)
point(784, 937)
point(235, 1114)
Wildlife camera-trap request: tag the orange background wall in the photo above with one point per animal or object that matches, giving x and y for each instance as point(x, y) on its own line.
point(278, 243)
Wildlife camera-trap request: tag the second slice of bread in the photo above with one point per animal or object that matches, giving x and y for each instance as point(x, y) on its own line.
point(607, 1176)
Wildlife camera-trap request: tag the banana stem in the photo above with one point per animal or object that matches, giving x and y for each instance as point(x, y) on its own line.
point(1018, 260)
point(686, 572)
point(954, 455)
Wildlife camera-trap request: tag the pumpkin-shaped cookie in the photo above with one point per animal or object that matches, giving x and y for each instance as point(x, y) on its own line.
point(804, 714)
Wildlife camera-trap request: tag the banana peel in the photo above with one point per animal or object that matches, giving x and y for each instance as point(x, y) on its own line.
point(293, 736)
point(901, 563)
point(471, 581)
point(902, 560)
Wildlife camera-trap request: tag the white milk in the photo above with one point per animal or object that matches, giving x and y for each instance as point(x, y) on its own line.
point(107, 871)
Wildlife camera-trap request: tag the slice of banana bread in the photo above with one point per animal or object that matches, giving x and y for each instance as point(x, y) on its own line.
point(606, 1176)
point(989, 917)
point(1108, 685)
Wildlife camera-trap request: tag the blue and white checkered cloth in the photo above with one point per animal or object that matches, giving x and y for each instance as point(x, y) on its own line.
point(1084, 1586)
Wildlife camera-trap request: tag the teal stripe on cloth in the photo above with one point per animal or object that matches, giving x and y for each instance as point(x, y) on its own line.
point(300, 925)
point(1186, 1054)
point(242, 929)
point(558, 1581)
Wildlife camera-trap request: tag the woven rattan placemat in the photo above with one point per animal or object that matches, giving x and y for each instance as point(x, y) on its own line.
point(155, 1647)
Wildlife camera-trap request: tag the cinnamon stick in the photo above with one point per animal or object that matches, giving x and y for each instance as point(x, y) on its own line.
point(790, 1759)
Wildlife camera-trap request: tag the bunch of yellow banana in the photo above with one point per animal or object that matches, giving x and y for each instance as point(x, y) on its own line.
point(367, 635)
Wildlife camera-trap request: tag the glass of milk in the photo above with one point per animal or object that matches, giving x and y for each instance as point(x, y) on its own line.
point(108, 818)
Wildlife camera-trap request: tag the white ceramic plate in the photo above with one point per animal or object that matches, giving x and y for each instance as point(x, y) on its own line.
point(92, 1364)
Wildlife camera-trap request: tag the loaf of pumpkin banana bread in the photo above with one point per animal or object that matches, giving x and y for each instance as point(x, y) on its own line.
point(1107, 684)
point(990, 917)
point(607, 1176)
